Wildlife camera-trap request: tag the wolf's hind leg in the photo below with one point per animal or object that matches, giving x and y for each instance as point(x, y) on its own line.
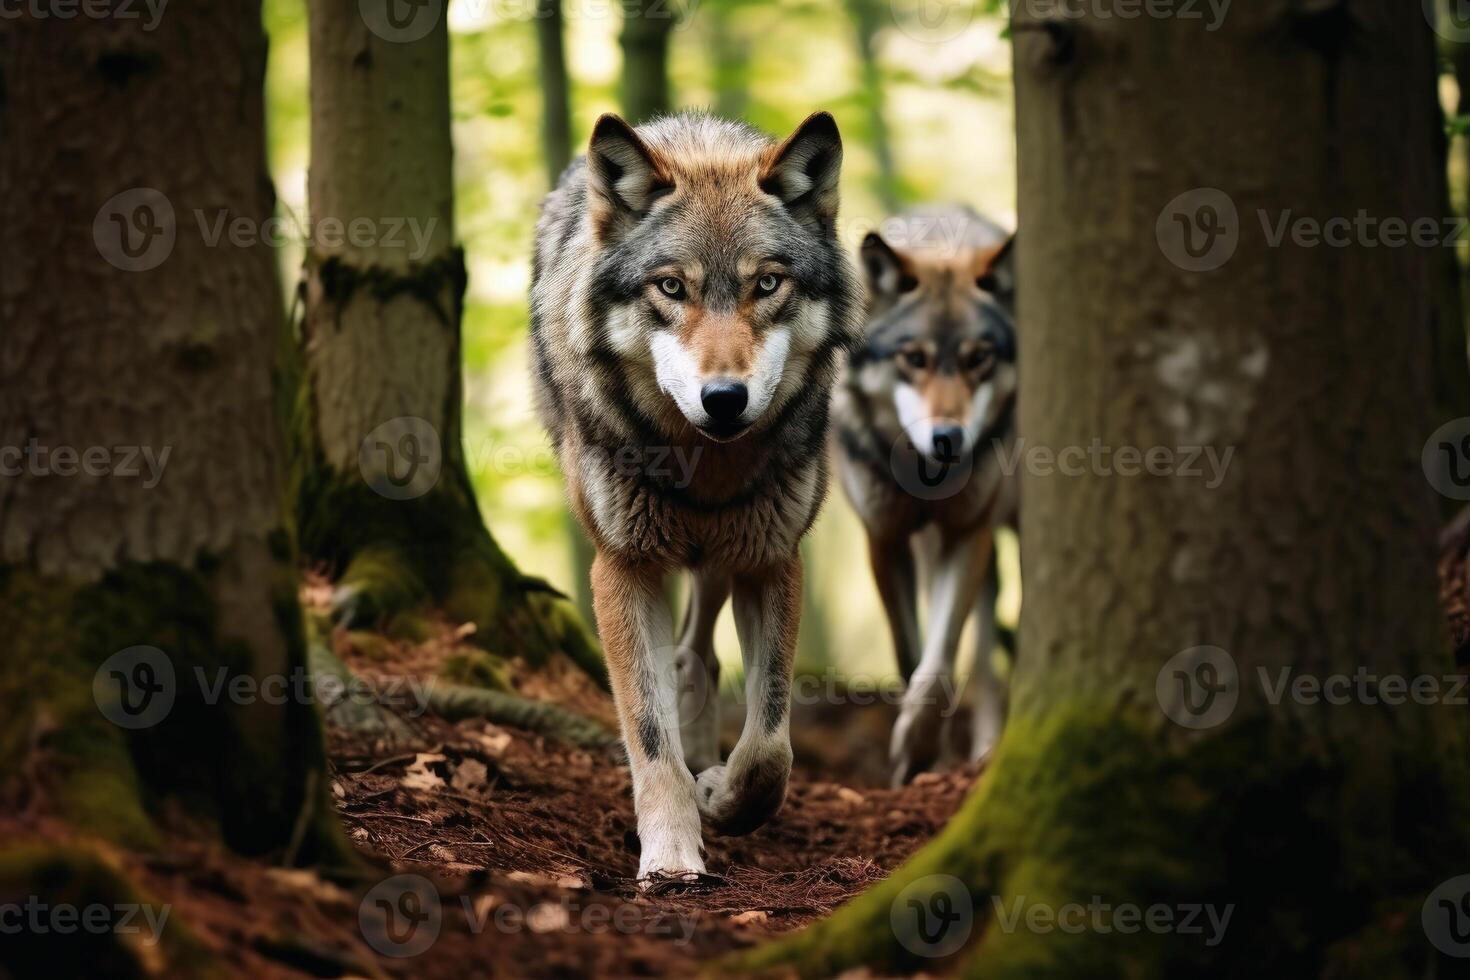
point(745, 792)
point(636, 628)
point(699, 671)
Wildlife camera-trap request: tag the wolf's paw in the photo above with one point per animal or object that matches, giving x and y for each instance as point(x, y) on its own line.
point(668, 861)
point(916, 735)
point(737, 801)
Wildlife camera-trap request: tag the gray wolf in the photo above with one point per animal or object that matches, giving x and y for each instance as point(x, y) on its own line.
point(926, 403)
point(689, 295)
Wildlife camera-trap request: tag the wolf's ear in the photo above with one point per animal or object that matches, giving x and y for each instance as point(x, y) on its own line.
point(803, 172)
point(624, 174)
point(888, 273)
point(995, 271)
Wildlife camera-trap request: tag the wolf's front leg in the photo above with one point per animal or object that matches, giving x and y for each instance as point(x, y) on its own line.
point(930, 697)
point(699, 671)
point(745, 792)
point(637, 637)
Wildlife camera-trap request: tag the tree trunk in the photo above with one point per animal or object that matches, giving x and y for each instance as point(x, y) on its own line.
point(1323, 826)
point(647, 25)
point(382, 493)
point(1452, 361)
point(556, 110)
point(144, 556)
point(866, 17)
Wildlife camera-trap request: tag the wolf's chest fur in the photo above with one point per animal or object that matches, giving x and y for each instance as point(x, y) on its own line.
point(740, 506)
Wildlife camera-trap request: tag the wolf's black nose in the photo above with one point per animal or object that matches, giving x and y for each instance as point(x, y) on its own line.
point(948, 441)
point(724, 400)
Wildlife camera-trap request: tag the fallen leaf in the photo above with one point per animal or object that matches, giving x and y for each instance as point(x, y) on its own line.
point(547, 917)
point(470, 774)
point(495, 740)
point(419, 776)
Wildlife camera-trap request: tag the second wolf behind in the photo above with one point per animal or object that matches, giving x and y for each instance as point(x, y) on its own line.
point(922, 418)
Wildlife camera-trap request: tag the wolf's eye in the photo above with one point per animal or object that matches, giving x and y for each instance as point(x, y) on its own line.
point(915, 358)
point(977, 358)
point(671, 287)
point(766, 284)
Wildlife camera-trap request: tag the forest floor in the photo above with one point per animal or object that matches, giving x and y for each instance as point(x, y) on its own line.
point(497, 852)
point(514, 855)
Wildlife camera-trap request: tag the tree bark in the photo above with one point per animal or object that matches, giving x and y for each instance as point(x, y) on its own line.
point(647, 25)
point(1324, 826)
point(382, 493)
point(137, 341)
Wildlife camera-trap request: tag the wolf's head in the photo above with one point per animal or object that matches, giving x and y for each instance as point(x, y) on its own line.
point(942, 315)
point(719, 281)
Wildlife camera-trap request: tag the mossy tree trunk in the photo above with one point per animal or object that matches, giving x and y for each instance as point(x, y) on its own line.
point(1323, 826)
point(382, 492)
point(1452, 375)
point(647, 27)
point(140, 356)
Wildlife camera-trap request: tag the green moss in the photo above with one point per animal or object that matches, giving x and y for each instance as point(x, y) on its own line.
point(476, 668)
point(246, 768)
point(1107, 803)
point(409, 625)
